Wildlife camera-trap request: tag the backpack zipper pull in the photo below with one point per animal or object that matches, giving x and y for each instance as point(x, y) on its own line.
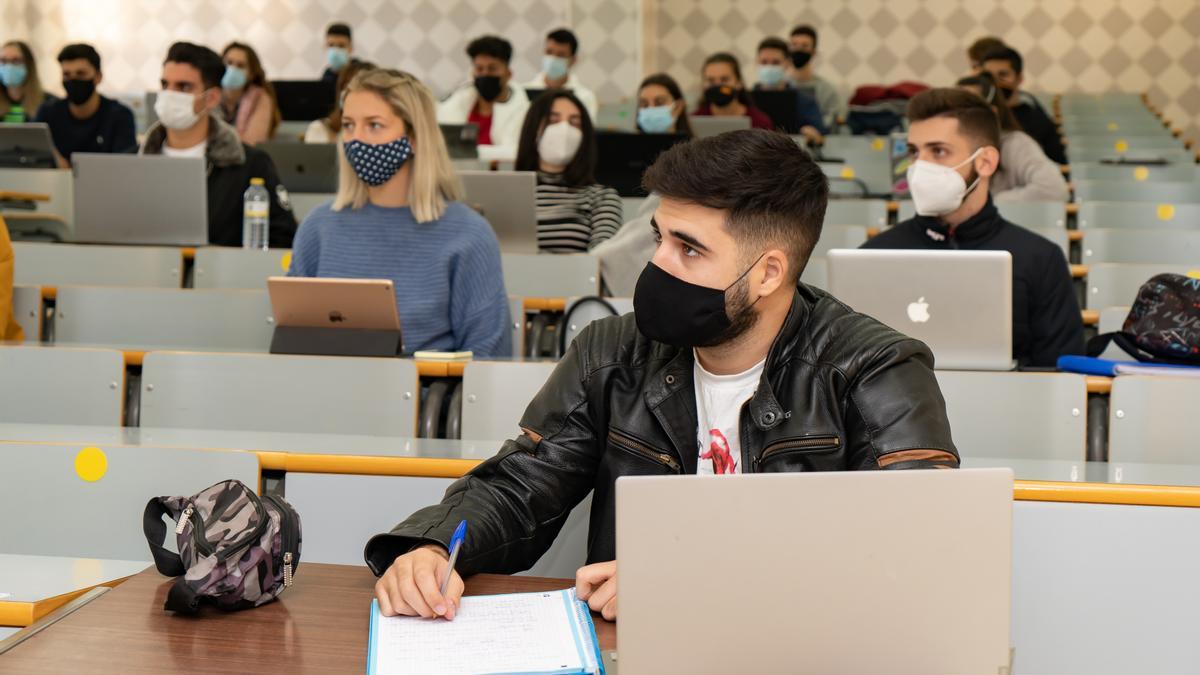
point(183, 519)
point(287, 569)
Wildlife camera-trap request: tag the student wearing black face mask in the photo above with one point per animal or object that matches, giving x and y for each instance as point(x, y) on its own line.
point(804, 49)
point(493, 101)
point(725, 92)
point(85, 121)
point(1006, 66)
point(726, 359)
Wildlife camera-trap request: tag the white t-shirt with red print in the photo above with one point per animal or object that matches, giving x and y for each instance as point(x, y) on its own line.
point(719, 400)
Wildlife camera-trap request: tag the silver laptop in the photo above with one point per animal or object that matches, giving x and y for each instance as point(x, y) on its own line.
point(704, 126)
point(305, 167)
point(841, 572)
point(957, 302)
point(507, 200)
point(140, 199)
point(26, 146)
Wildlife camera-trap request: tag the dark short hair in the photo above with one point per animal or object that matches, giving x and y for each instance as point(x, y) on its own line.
point(1005, 53)
point(490, 45)
point(80, 50)
point(774, 43)
point(975, 116)
point(982, 46)
point(564, 37)
point(199, 57)
point(994, 96)
point(806, 29)
point(724, 57)
point(682, 125)
point(582, 169)
point(773, 190)
point(339, 29)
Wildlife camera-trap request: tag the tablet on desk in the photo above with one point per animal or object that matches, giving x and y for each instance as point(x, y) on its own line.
point(305, 302)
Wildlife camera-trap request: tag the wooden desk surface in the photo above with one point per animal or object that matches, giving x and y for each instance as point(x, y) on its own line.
point(320, 625)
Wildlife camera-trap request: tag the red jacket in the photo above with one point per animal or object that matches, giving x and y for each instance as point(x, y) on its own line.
point(758, 118)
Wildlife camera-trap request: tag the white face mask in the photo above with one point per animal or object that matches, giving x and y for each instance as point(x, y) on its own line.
point(176, 109)
point(559, 143)
point(936, 189)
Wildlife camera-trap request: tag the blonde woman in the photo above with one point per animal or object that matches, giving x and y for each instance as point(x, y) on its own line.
point(21, 91)
point(397, 216)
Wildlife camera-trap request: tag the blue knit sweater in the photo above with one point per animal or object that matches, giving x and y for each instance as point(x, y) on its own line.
point(449, 284)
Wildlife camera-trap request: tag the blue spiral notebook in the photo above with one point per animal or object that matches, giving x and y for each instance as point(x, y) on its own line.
point(541, 633)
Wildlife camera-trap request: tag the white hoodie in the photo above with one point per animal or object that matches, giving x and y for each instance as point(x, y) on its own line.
point(507, 117)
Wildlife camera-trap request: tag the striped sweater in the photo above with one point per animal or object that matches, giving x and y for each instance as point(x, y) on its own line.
point(574, 219)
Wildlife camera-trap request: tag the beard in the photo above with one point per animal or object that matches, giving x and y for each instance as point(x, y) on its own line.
point(740, 311)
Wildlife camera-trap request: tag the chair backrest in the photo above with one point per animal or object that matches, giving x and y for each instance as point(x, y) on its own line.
point(61, 385)
point(1119, 142)
point(532, 275)
point(223, 267)
point(27, 310)
point(839, 236)
point(274, 392)
point(88, 501)
point(1112, 319)
point(583, 314)
point(866, 212)
point(516, 315)
point(816, 273)
point(65, 264)
point(1017, 415)
point(1131, 191)
point(1117, 284)
point(1032, 215)
point(158, 317)
point(1099, 153)
point(1136, 215)
point(1143, 245)
point(1136, 174)
point(495, 395)
point(1153, 419)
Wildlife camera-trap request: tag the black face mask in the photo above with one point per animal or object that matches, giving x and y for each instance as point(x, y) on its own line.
point(488, 87)
point(1009, 92)
point(720, 95)
point(801, 59)
point(79, 91)
point(682, 314)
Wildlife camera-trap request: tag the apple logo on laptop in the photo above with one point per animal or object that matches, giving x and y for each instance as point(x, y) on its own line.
point(336, 317)
point(918, 312)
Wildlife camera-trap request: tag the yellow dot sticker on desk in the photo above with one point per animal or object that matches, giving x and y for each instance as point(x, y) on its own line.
point(877, 144)
point(1165, 212)
point(1194, 274)
point(1112, 126)
point(286, 261)
point(848, 172)
point(1121, 146)
point(1141, 173)
point(91, 464)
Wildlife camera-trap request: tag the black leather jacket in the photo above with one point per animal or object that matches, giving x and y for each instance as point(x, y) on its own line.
point(840, 391)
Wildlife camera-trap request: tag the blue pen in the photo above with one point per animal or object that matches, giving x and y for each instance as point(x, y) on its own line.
point(456, 541)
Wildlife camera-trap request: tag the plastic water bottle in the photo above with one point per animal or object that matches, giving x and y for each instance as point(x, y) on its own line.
point(256, 206)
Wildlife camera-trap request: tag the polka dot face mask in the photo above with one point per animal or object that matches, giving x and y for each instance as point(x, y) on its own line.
point(376, 164)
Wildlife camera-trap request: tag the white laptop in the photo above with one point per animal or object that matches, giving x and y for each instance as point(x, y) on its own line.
point(140, 199)
point(840, 572)
point(508, 201)
point(704, 126)
point(957, 302)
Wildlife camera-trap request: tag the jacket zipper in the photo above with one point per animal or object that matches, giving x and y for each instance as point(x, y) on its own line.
point(795, 444)
point(287, 534)
point(641, 449)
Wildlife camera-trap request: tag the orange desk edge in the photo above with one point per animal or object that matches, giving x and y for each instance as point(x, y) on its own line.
point(21, 614)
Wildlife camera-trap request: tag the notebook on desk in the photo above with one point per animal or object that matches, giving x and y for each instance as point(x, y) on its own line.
point(543, 632)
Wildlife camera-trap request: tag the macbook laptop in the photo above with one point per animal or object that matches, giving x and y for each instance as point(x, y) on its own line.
point(140, 199)
point(704, 126)
point(304, 100)
point(622, 158)
point(840, 572)
point(26, 146)
point(462, 140)
point(368, 304)
point(957, 302)
point(305, 167)
point(508, 201)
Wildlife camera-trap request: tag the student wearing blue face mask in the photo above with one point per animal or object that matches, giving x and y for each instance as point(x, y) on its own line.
point(247, 97)
point(398, 215)
point(339, 46)
point(773, 64)
point(661, 107)
point(558, 63)
point(21, 91)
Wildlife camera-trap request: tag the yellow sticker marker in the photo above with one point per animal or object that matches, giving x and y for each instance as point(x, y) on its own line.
point(848, 172)
point(286, 261)
point(91, 464)
point(877, 144)
point(1112, 126)
point(1194, 274)
point(1121, 146)
point(1165, 212)
point(1141, 173)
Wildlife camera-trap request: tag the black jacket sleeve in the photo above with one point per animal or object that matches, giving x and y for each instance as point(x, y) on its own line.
point(283, 221)
point(1054, 314)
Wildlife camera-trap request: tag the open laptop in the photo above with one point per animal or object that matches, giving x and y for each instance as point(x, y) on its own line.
point(704, 126)
point(304, 100)
point(26, 146)
point(140, 199)
point(462, 140)
point(957, 302)
point(622, 158)
point(307, 302)
point(839, 572)
point(508, 201)
point(305, 167)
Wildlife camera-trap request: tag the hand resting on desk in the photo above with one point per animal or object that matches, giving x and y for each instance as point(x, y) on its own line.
point(597, 584)
point(412, 585)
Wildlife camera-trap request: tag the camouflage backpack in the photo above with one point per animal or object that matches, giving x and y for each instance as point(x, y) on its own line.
point(235, 550)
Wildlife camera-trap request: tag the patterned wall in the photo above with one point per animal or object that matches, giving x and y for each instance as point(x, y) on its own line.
point(1069, 45)
point(426, 37)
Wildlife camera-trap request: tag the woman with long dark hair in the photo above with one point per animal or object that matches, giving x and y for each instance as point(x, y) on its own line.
point(248, 100)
